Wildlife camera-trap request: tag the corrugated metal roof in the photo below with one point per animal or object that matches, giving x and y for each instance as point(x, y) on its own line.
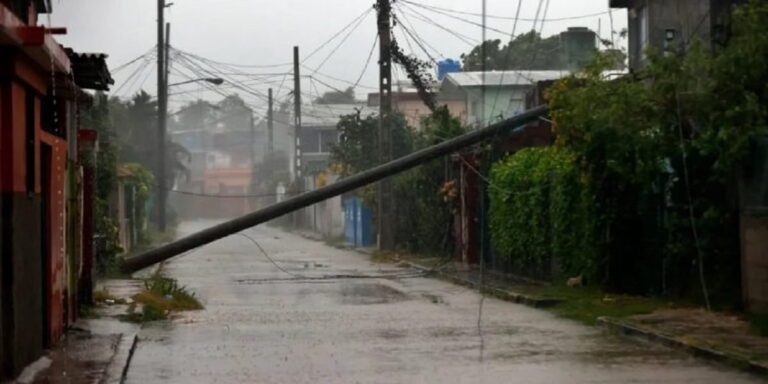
point(90, 70)
point(321, 115)
point(502, 78)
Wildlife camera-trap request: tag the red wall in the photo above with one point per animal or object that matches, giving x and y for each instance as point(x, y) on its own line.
point(58, 295)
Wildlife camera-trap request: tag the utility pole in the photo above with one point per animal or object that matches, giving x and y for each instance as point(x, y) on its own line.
point(162, 111)
point(385, 223)
point(270, 125)
point(299, 182)
point(297, 112)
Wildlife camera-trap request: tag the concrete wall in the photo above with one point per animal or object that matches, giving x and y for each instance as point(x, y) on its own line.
point(500, 103)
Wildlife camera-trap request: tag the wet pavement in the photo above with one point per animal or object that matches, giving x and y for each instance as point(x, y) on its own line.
point(308, 320)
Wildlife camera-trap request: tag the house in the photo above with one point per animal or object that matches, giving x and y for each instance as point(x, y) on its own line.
point(493, 96)
point(319, 132)
point(406, 100)
point(672, 25)
point(45, 180)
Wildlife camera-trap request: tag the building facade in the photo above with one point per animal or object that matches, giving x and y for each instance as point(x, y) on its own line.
point(492, 96)
point(44, 241)
point(673, 25)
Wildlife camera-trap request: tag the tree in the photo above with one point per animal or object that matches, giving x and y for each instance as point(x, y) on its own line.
point(98, 118)
point(197, 115)
point(423, 215)
point(136, 124)
point(337, 97)
point(527, 51)
point(233, 113)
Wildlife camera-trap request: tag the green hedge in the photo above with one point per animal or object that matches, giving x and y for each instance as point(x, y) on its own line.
point(541, 208)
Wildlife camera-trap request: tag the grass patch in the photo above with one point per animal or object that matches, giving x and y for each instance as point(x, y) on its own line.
point(381, 256)
point(587, 304)
point(334, 241)
point(759, 323)
point(161, 297)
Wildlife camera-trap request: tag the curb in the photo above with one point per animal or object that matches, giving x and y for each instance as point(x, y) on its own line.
point(704, 352)
point(519, 298)
point(118, 367)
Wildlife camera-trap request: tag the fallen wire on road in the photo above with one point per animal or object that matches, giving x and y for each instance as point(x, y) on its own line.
point(298, 277)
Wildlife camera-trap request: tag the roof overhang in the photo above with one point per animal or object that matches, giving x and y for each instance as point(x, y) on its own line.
point(620, 3)
point(36, 41)
point(90, 70)
point(8, 25)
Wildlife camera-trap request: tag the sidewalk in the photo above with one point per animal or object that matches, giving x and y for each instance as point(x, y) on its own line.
point(721, 337)
point(713, 335)
point(95, 349)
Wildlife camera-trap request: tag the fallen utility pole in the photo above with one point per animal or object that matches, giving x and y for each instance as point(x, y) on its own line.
point(306, 199)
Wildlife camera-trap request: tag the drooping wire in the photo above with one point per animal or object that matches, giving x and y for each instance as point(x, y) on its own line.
point(367, 61)
point(297, 276)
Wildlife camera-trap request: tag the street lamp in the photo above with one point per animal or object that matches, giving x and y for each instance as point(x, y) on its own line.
point(212, 80)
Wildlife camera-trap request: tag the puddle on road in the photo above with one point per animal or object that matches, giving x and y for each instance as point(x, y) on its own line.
point(370, 293)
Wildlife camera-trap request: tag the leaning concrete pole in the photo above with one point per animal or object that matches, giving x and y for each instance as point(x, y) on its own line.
point(372, 175)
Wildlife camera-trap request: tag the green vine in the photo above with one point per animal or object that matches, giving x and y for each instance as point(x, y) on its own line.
point(541, 208)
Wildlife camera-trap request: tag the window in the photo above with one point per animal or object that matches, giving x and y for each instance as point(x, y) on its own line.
point(310, 141)
point(328, 139)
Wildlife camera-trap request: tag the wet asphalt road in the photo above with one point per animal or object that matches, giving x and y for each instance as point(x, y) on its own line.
point(262, 325)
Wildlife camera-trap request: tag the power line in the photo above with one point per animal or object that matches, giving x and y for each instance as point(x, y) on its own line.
point(418, 42)
point(341, 43)
point(413, 30)
point(367, 61)
point(323, 45)
point(516, 18)
point(507, 57)
point(130, 77)
point(337, 78)
point(458, 18)
point(142, 56)
point(233, 64)
point(419, 16)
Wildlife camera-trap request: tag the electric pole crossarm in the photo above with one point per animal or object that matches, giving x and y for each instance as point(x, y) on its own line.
point(375, 174)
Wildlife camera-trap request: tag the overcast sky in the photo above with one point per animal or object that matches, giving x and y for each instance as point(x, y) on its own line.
point(262, 32)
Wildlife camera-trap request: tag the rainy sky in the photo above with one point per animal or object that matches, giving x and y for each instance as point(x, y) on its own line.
point(262, 32)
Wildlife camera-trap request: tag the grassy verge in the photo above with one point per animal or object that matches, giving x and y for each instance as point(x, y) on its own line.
point(380, 256)
point(587, 304)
